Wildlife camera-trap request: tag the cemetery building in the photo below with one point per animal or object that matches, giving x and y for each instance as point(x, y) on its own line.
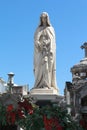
point(76, 91)
point(16, 89)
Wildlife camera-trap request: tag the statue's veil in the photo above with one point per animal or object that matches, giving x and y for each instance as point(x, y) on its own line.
point(47, 17)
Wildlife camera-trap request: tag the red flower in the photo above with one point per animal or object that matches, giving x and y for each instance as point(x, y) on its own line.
point(11, 117)
point(27, 106)
point(11, 114)
point(20, 113)
point(9, 108)
point(83, 123)
point(30, 112)
point(51, 123)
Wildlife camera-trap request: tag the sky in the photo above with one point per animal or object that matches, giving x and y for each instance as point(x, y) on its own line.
point(18, 22)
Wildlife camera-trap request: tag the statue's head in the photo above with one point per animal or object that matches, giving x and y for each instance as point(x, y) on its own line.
point(44, 19)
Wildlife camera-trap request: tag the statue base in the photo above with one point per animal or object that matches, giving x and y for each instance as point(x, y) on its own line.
point(45, 96)
point(41, 91)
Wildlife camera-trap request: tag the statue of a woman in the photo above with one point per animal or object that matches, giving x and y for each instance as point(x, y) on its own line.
point(44, 54)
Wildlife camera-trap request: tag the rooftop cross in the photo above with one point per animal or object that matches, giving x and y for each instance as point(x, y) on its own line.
point(84, 46)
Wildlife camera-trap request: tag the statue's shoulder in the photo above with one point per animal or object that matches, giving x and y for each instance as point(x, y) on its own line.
point(51, 29)
point(38, 29)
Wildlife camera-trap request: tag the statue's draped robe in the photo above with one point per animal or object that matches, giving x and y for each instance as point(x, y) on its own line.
point(44, 57)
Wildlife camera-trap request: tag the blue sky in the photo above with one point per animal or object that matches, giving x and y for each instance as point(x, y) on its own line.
point(18, 22)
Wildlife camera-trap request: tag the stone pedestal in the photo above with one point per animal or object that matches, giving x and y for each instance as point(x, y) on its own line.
point(44, 96)
point(41, 91)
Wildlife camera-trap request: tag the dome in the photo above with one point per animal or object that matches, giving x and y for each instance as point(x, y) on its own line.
point(81, 67)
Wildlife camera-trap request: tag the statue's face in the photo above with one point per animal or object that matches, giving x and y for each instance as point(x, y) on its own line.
point(44, 19)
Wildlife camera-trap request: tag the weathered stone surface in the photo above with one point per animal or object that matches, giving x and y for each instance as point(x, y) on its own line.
point(45, 91)
point(44, 55)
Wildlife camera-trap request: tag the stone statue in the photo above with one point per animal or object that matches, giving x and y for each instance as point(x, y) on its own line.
point(44, 54)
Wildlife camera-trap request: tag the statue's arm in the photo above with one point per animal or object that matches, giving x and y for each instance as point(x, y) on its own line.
point(36, 39)
point(52, 41)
